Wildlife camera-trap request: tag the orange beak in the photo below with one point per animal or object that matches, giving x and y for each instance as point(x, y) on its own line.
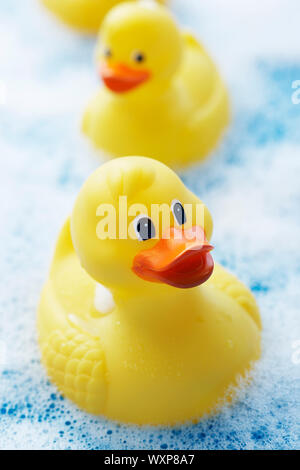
point(180, 259)
point(121, 78)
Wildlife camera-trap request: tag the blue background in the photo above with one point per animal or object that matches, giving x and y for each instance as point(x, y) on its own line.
point(251, 185)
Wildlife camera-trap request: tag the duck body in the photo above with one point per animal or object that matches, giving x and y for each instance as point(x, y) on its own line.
point(181, 125)
point(161, 355)
point(84, 15)
point(176, 119)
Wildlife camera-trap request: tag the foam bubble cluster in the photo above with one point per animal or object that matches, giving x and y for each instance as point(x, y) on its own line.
point(251, 185)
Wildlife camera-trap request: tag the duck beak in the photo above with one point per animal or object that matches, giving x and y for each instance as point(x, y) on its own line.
point(181, 259)
point(121, 78)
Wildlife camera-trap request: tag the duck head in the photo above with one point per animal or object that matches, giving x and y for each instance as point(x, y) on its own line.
point(139, 44)
point(135, 223)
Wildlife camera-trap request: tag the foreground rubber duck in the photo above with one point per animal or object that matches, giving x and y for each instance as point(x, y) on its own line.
point(85, 15)
point(163, 96)
point(139, 325)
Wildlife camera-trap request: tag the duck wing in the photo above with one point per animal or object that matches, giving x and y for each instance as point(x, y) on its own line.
point(76, 364)
point(230, 285)
point(70, 344)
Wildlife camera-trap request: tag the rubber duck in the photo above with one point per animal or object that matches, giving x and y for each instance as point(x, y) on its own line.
point(162, 95)
point(84, 15)
point(136, 322)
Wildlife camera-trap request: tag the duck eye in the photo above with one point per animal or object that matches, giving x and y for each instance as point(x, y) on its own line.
point(178, 212)
point(144, 228)
point(138, 57)
point(107, 52)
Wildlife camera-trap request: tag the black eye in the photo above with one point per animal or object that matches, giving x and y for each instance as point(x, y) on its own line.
point(144, 228)
point(178, 212)
point(107, 52)
point(139, 57)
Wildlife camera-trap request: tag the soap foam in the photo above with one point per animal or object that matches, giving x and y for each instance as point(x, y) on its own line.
point(251, 186)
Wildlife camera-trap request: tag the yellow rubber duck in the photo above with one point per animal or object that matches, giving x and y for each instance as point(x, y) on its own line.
point(163, 96)
point(85, 15)
point(135, 322)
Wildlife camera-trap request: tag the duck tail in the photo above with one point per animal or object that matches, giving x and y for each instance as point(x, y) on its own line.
point(212, 119)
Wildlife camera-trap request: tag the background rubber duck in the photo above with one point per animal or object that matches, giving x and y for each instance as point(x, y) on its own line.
point(143, 329)
point(85, 15)
point(163, 96)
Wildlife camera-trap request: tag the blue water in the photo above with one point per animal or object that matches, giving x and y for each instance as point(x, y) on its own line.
point(251, 185)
